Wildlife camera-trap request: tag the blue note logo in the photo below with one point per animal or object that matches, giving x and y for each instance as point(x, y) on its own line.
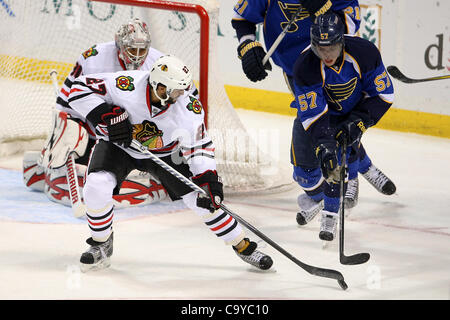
point(288, 10)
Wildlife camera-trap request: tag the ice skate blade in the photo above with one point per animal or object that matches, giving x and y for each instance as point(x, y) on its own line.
point(103, 264)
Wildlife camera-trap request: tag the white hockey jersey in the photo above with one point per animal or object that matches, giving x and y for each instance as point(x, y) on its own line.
point(99, 58)
point(164, 131)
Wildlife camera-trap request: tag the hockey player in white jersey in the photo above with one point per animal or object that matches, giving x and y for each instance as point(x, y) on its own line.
point(156, 109)
point(130, 51)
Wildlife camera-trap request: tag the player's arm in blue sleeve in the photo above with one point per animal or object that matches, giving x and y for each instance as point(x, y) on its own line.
point(377, 85)
point(310, 99)
point(313, 111)
point(350, 13)
point(247, 14)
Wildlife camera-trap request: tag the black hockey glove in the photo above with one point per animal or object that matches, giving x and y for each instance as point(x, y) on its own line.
point(210, 182)
point(316, 7)
point(326, 152)
point(350, 131)
point(252, 54)
point(120, 130)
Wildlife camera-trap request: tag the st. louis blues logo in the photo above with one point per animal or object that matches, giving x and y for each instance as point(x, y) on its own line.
point(90, 52)
point(340, 92)
point(125, 83)
point(288, 10)
point(194, 106)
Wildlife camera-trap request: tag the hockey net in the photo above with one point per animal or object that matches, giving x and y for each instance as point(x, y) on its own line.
point(39, 36)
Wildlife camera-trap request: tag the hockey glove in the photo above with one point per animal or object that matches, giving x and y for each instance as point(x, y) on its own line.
point(326, 152)
point(252, 54)
point(350, 131)
point(316, 7)
point(210, 182)
point(119, 126)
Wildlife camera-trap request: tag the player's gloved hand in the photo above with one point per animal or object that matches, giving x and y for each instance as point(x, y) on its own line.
point(252, 54)
point(120, 130)
point(316, 7)
point(326, 152)
point(210, 182)
point(350, 131)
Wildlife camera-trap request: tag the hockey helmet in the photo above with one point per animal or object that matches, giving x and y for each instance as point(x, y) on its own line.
point(327, 30)
point(133, 42)
point(172, 73)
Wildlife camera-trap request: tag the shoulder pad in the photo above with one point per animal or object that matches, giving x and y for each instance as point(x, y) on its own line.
point(365, 52)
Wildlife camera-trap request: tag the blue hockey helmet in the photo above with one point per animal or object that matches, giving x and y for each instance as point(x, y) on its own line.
point(327, 30)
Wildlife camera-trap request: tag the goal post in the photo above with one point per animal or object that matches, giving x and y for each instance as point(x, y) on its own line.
point(204, 35)
point(43, 35)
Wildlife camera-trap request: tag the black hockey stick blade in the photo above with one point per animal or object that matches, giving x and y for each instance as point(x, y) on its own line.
point(397, 74)
point(358, 258)
point(320, 272)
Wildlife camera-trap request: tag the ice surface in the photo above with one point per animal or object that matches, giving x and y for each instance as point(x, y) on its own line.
point(164, 251)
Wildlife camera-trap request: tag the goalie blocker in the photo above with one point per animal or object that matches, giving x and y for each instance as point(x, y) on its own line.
point(46, 172)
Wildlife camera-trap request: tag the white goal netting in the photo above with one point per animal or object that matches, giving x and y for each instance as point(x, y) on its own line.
point(41, 35)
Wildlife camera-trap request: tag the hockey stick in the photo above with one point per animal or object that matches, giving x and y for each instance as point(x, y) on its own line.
point(78, 207)
point(281, 36)
point(397, 74)
point(327, 273)
point(357, 258)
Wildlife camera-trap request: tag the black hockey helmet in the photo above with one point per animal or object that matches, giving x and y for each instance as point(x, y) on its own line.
point(327, 30)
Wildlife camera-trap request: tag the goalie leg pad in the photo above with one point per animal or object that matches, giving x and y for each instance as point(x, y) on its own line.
point(33, 173)
point(66, 136)
point(138, 189)
point(56, 186)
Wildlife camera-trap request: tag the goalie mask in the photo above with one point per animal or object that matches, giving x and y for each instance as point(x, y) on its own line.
point(172, 73)
point(133, 42)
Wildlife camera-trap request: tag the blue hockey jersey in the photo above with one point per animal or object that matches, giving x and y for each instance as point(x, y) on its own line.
point(359, 82)
point(275, 15)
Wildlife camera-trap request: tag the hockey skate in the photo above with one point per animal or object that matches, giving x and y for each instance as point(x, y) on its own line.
point(351, 194)
point(328, 225)
point(98, 255)
point(378, 179)
point(308, 209)
point(254, 257)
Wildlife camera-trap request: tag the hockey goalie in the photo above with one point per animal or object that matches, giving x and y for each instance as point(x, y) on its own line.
point(59, 169)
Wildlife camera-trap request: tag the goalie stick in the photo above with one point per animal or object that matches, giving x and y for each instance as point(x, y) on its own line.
point(357, 258)
point(397, 74)
point(327, 273)
point(78, 207)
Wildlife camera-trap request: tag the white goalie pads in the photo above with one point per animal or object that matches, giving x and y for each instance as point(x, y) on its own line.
point(33, 174)
point(138, 189)
point(47, 170)
point(66, 136)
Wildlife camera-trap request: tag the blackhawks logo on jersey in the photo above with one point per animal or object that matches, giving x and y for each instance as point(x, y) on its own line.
point(125, 83)
point(194, 106)
point(90, 52)
point(148, 135)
